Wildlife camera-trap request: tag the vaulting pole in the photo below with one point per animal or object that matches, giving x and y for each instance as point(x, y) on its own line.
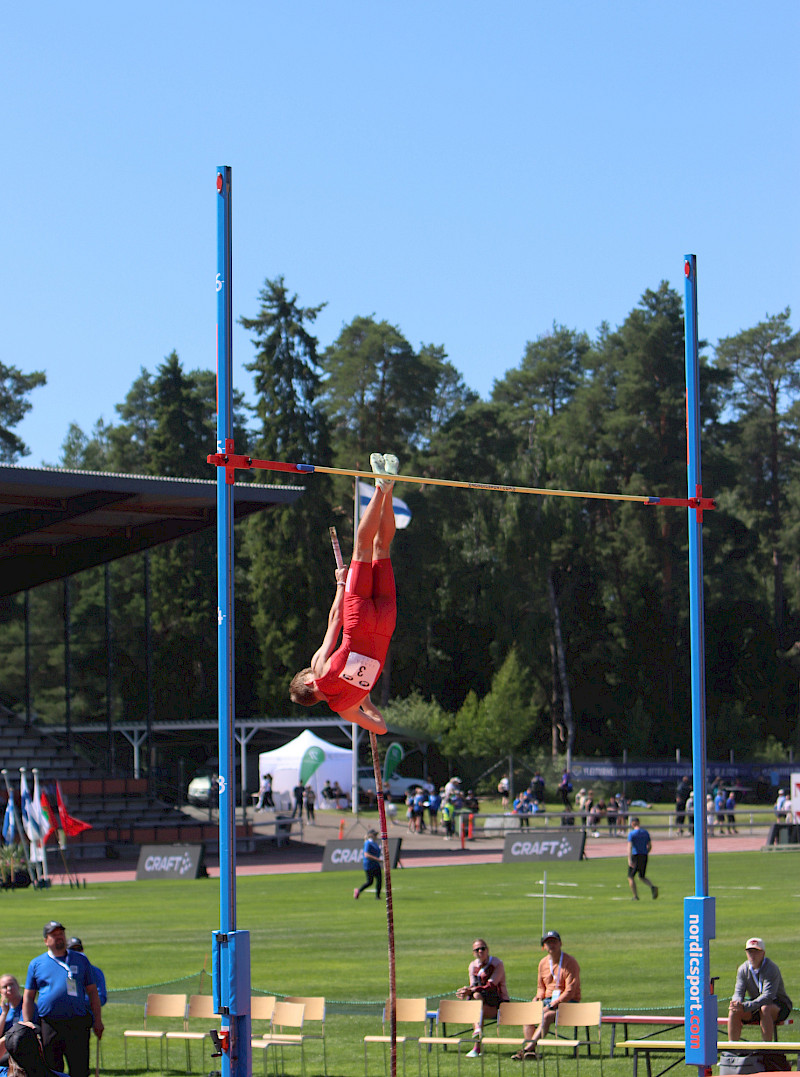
point(387, 866)
point(230, 947)
point(700, 1004)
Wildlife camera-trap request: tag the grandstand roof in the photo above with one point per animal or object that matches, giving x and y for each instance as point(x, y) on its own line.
point(54, 523)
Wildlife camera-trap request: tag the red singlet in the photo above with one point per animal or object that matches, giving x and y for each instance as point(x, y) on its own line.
point(368, 620)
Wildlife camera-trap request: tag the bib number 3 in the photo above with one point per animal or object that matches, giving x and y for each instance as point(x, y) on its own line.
point(360, 671)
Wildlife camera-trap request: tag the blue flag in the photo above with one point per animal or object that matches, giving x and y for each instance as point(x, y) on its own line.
point(30, 822)
point(402, 513)
point(9, 828)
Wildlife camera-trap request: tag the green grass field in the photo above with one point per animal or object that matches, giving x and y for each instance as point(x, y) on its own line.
point(309, 937)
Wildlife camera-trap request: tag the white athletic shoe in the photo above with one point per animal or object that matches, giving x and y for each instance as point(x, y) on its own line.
point(474, 1053)
point(384, 465)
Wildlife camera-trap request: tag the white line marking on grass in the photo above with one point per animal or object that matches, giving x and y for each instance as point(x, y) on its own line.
point(69, 897)
point(564, 897)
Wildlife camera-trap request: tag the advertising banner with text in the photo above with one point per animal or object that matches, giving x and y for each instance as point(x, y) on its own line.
point(171, 862)
point(543, 845)
point(346, 855)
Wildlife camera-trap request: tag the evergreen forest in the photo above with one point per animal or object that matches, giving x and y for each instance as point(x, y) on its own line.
point(525, 623)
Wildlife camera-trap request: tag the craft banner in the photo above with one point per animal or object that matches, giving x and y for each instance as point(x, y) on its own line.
point(566, 843)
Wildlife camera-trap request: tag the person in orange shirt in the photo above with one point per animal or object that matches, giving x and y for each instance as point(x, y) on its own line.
point(559, 980)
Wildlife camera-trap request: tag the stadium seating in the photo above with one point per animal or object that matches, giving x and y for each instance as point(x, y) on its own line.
point(574, 1015)
point(156, 1006)
point(408, 1011)
point(200, 1008)
point(315, 1012)
point(286, 1016)
point(517, 1014)
point(453, 1012)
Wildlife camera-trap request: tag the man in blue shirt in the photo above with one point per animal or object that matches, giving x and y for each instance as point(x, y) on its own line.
point(99, 976)
point(639, 845)
point(69, 1004)
point(371, 861)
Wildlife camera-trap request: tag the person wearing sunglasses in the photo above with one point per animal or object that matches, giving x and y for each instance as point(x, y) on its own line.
point(487, 983)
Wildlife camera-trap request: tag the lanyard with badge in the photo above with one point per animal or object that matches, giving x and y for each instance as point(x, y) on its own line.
point(555, 995)
point(72, 983)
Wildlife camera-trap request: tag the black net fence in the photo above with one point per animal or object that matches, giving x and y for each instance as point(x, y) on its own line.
point(200, 984)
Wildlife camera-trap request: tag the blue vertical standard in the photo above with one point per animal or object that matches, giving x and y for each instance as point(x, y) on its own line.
point(700, 1006)
point(230, 948)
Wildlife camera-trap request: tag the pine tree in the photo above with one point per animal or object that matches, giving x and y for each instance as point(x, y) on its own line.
point(287, 551)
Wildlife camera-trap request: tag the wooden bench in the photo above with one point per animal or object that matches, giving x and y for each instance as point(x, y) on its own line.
point(648, 1047)
point(663, 1021)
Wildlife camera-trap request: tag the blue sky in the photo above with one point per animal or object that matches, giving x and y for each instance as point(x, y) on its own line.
point(470, 172)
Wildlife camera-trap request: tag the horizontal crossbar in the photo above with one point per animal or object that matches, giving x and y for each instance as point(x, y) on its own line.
point(233, 462)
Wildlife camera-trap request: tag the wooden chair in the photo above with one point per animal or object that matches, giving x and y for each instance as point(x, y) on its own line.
point(200, 1008)
point(155, 1006)
point(574, 1015)
point(515, 1014)
point(286, 1015)
point(314, 1013)
point(452, 1012)
point(408, 1011)
point(262, 1008)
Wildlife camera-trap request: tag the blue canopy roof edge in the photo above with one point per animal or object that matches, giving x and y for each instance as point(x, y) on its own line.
point(55, 522)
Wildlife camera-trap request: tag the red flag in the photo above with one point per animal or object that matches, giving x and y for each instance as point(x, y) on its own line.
point(70, 826)
point(47, 815)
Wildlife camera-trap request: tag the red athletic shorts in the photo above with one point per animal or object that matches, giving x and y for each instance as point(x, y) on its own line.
point(370, 603)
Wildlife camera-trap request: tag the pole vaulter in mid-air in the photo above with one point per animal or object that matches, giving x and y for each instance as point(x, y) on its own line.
point(364, 610)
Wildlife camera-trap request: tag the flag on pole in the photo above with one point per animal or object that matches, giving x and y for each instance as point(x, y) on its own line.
point(392, 760)
point(41, 810)
point(402, 513)
point(29, 817)
point(69, 825)
point(312, 760)
point(49, 824)
point(9, 826)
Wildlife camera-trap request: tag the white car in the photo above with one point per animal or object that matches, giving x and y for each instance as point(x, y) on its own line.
point(199, 791)
point(398, 787)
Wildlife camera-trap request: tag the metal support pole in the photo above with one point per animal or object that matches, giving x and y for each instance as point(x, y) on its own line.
point(67, 661)
point(230, 948)
point(110, 755)
point(148, 671)
point(136, 740)
point(244, 737)
point(699, 911)
point(27, 612)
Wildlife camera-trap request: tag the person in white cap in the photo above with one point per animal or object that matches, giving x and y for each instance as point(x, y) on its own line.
point(768, 1004)
point(783, 806)
point(453, 786)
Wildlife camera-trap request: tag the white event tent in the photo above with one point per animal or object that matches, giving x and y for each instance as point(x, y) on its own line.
point(284, 764)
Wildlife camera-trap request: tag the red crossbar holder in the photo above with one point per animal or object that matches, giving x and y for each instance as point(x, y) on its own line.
point(232, 461)
point(700, 504)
